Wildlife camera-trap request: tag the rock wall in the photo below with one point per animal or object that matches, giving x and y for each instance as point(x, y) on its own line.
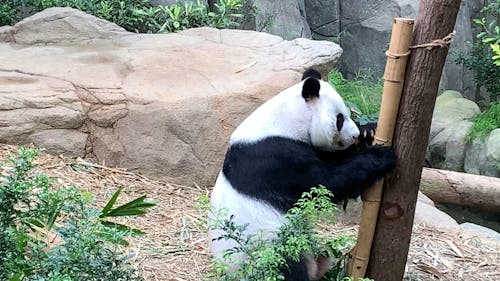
point(159, 104)
point(364, 28)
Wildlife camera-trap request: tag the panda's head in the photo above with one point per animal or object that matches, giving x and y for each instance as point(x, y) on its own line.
point(331, 127)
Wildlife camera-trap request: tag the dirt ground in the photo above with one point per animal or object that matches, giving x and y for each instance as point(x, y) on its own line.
point(175, 245)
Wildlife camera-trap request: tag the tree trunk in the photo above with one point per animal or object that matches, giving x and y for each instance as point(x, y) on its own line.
point(435, 20)
point(479, 192)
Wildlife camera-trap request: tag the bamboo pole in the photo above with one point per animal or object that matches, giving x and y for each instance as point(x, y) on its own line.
point(397, 55)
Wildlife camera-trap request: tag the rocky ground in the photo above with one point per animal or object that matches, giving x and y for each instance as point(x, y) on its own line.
point(175, 244)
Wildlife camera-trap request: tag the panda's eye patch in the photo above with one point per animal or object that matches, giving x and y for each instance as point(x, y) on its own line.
point(340, 121)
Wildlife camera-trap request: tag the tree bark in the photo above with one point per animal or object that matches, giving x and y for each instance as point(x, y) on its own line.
point(435, 20)
point(479, 192)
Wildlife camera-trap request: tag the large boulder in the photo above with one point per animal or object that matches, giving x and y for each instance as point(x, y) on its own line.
point(366, 26)
point(163, 105)
point(482, 157)
point(283, 18)
point(450, 124)
point(323, 17)
point(63, 25)
point(492, 164)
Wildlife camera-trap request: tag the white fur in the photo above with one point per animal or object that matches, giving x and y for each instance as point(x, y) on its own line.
point(288, 115)
point(259, 215)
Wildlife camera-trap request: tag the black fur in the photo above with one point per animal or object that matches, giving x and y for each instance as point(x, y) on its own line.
point(311, 73)
point(278, 170)
point(296, 271)
point(340, 121)
point(367, 134)
point(310, 89)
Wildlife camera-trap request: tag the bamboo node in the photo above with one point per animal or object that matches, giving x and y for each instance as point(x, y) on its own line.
point(392, 55)
point(441, 43)
point(379, 140)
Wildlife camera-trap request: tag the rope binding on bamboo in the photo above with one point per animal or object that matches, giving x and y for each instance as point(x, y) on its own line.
point(441, 43)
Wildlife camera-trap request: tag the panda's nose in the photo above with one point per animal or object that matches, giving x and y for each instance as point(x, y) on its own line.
point(356, 139)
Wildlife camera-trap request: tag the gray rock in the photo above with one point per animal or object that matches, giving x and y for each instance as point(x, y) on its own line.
point(61, 141)
point(447, 149)
point(288, 18)
point(450, 125)
point(152, 103)
point(492, 164)
point(475, 157)
point(430, 216)
point(323, 17)
point(368, 25)
point(458, 77)
point(451, 107)
point(481, 229)
point(63, 25)
point(6, 34)
point(424, 199)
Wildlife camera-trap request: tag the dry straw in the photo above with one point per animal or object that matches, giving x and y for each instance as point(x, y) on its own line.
point(175, 245)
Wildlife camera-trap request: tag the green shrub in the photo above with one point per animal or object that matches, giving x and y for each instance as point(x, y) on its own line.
point(482, 58)
point(486, 122)
point(50, 233)
point(181, 16)
point(361, 96)
point(136, 15)
point(266, 258)
point(8, 14)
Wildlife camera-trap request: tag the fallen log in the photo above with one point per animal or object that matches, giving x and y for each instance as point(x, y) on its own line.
point(475, 191)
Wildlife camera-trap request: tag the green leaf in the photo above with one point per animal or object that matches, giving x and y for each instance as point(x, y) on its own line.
point(53, 216)
point(110, 203)
point(122, 227)
point(17, 277)
point(137, 206)
point(478, 21)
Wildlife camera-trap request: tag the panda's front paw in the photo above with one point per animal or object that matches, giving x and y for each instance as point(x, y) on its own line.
point(383, 158)
point(367, 134)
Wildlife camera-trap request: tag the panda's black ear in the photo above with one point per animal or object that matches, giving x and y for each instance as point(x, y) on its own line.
point(311, 73)
point(310, 89)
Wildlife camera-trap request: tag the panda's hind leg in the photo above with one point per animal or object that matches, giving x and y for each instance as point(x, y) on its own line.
point(296, 271)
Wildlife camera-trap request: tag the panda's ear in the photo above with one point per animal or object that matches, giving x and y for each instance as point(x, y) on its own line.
point(310, 89)
point(311, 73)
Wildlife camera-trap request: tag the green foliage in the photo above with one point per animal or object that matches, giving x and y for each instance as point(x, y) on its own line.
point(361, 96)
point(265, 257)
point(50, 233)
point(137, 15)
point(486, 122)
point(484, 57)
point(181, 16)
point(8, 14)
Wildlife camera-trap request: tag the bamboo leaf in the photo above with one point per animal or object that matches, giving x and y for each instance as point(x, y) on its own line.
point(135, 207)
point(122, 227)
point(110, 203)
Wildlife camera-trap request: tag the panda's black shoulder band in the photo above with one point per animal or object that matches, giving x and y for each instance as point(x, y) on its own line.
point(311, 73)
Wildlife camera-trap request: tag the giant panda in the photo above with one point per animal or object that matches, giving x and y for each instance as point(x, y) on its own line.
point(301, 138)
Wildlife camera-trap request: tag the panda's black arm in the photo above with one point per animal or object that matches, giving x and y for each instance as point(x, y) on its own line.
point(278, 170)
point(351, 178)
